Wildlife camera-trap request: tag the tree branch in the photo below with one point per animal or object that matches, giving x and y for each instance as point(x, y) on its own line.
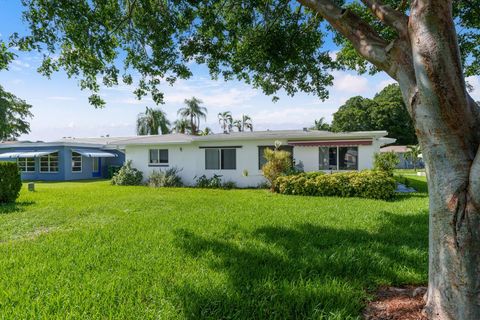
point(389, 16)
point(362, 36)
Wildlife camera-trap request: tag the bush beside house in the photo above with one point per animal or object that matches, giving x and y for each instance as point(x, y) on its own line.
point(10, 182)
point(279, 162)
point(127, 176)
point(167, 178)
point(364, 184)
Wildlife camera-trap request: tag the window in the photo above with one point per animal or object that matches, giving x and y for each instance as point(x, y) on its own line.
point(261, 151)
point(217, 158)
point(76, 162)
point(26, 164)
point(338, 158)
point(49, 163)
point(158, 157)
point(95, 164)
point(348, 158)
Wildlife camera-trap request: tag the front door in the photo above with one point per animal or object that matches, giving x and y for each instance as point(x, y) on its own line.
point(96, 167)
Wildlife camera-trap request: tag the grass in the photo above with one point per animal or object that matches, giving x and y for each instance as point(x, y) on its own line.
point(91, 250)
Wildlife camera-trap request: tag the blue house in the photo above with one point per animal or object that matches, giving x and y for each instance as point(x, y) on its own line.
point(64, 160)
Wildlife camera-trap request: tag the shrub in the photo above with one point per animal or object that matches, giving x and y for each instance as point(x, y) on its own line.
point(364, 184)
point(167, 178)
point(127, 176)
point(229, 185)
point(386, 162)
point(278, 163)
point(213, 182)
point(112, 170)
point(10, 182)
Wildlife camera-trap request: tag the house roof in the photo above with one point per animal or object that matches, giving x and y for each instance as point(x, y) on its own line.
point(396, 149)
point(256, 135)
point(177, 138)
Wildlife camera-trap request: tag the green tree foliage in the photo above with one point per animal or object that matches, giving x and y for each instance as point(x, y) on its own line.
point(10, 182)
point(386, 162)
point(278, 163)
point(413, 154)
point(6, 56)
point(225, 120)
point(182, 126)
point(193, 112)
point(152, 122)
point(13, 112)
point(321, 125)
point(386, 111)
point(243, 124)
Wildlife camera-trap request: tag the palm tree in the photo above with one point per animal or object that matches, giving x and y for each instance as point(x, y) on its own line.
point(182, 126)
point(320, 124)
point(243, 124)
point(225, 119)
point(247, 123)
point(193, 112)
point(237, 124)
point(152, 122)
point(414, 154)
point(206, 131)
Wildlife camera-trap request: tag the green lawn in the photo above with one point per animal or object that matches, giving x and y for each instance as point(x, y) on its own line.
point(91, 250)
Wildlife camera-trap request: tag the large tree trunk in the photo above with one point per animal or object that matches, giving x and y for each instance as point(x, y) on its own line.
point(425, 60)
point(446, 121)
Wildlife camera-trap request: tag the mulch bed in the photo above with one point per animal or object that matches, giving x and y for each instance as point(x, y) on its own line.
point(392, 303)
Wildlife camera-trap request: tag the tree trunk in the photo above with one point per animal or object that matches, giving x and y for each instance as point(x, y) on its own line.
point(447, 127)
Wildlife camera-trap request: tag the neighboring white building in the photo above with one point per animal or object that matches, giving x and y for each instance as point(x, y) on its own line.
point(238, 157)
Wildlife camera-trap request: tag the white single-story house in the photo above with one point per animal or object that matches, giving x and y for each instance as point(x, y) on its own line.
point(238, 157)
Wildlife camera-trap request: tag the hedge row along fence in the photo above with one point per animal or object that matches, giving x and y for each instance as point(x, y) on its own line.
point(364, 184)
point(10, 182)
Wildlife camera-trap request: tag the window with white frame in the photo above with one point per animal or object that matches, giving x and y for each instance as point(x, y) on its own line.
point(26, 164)
point(220, 159)
point(338, 158)
point(158, 157)
point(76, 162)
point(49, 163)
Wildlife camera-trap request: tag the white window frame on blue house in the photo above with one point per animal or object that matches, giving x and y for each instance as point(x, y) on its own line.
point(77, 162)
point(27, 164)
point(50, 161)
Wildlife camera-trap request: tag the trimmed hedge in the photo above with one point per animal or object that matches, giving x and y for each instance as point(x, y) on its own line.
point(10, 182)
point(363, 184)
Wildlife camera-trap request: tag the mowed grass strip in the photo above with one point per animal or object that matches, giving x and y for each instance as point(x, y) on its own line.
point(92, 250)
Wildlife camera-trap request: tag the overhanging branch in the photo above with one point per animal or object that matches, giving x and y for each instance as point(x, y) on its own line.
point(362, 36)
point(389, 16)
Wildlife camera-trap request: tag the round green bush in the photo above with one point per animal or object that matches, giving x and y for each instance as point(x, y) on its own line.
point(10, 182)
point(127, 176)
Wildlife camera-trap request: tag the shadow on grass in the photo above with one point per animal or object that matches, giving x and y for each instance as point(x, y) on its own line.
point(7, 208)
point(305, 271)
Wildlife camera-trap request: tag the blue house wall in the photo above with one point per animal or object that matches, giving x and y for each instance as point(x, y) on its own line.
point(65, 172)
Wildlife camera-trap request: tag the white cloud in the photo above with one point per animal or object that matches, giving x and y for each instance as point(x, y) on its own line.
point(348, 83)
point(384, 83)
point(19, 65)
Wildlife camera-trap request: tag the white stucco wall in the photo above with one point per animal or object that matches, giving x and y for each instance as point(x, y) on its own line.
point(191, 158)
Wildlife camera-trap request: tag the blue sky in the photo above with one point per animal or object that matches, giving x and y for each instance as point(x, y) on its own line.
point(61, 109)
